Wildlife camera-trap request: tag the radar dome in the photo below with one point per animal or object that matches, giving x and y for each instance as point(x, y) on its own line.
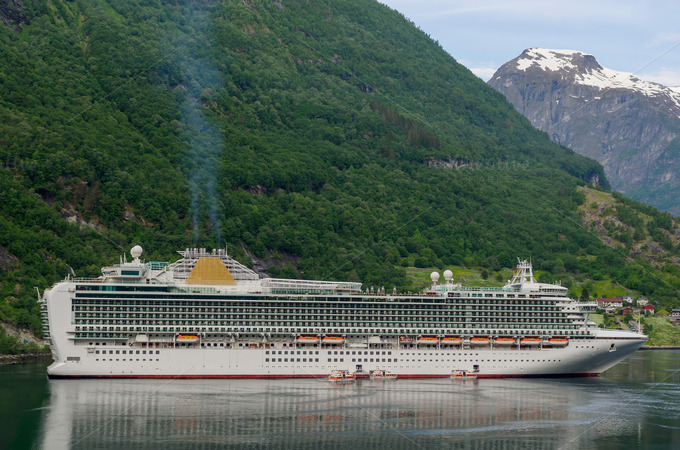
point(136, 251)
point(448, 275)
point(434, 276)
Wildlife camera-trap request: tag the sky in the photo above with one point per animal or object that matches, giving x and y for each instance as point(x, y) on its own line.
point(637, 36)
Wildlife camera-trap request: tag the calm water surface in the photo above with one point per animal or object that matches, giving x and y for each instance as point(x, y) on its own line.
point(634, 405)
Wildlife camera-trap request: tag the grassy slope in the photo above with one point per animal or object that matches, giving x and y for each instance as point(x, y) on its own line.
point(663, 332)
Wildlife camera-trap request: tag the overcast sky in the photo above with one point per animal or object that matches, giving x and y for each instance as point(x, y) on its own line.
point(641, 37)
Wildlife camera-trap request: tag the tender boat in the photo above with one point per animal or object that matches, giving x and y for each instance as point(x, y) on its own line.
point(463, 375)
point(382, 375)
point(342, 376)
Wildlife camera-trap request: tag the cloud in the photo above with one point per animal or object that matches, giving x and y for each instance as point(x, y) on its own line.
point(664, 38)
point(483, 69)
point(485, 73)
point(665, 76)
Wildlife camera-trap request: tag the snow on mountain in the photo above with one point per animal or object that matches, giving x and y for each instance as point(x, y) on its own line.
point(587, 72)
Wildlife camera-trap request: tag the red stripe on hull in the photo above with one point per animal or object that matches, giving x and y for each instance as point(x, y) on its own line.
point(277, 377)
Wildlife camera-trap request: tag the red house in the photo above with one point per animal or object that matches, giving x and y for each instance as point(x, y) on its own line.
point(648, 309)
point(625, 311)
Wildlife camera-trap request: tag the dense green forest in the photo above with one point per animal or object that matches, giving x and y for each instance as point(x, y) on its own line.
point(315, 136)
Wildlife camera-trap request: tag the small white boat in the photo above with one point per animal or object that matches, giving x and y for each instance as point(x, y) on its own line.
point(463, 375)
point(342, 376)
point(382, 375)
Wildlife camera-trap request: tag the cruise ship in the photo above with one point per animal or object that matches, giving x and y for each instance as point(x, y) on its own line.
point(209, 316)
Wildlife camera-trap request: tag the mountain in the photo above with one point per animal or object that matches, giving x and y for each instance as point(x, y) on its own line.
point(631, 126)
point(328, 139)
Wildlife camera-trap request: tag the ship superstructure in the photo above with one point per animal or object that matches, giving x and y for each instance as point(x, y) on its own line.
point(207, 315)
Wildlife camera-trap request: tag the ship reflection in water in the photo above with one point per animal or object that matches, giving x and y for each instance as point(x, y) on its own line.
point(540, 413)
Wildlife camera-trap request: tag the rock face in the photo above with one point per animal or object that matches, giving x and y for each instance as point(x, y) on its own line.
point(12, 14)
point(631, 126)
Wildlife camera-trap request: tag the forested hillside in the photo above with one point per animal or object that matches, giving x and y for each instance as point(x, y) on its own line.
point(325, 139)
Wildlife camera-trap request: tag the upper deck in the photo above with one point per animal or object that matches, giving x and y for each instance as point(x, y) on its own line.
point(216, 272)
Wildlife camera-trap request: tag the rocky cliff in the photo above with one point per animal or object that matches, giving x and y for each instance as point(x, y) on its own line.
point(631, 126)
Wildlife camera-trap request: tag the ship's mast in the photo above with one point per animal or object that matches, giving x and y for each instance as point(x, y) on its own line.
point(524, 273)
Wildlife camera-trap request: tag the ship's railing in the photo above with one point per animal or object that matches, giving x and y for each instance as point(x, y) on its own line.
point(107, 281)
point(85, 280)
point(443, 288)
point(281, 285)
point(194, 289)
point(157, 265)
point(183, 267)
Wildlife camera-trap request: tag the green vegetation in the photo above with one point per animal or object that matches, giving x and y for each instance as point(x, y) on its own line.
point(312, 134)
point(420, 278)
point(660, 331)
point(597, 318)
point(10, 345)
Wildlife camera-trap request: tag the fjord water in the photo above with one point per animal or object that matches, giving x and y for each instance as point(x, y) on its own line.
point(634, 405)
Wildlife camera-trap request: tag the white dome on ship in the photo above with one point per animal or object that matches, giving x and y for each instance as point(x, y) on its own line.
point(136, 251)
point(448, 275)
point(434, 276)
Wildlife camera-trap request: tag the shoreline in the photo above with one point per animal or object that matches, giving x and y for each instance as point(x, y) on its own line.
point(660, 347)
point(11, 359)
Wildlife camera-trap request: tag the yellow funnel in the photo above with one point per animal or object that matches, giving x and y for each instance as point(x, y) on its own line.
point(210, 270)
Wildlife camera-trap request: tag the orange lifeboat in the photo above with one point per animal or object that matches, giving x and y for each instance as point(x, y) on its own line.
point(333, 339)
point(451, 340)
point(479, 341)
point(428, 339)
point(308, 339)
point(504, 341)
point(530, 341)
point(559, 342)
point(187, 338)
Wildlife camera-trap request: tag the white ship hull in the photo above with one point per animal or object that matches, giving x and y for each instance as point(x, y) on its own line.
point(586, 357)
